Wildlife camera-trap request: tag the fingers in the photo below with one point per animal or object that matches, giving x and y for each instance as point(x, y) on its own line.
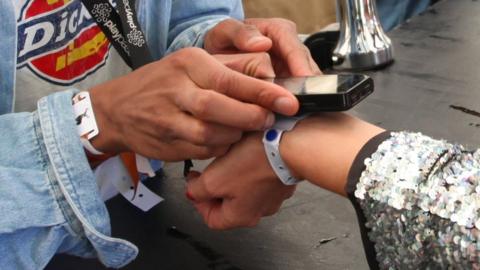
point(239, 188)
point(278, 36)
point(313, 65)
point(241, 87)
point(214, 107)
point(222, 213)
point(199, 190)
point(219, 211)
point(221, 198)
point(252, 64)
point(192, 151)
point(287, 45)
point(179, 150)
point(265, 94)
point(298, 58)
point(232, 35)
point(203, 133)
point(218, 216)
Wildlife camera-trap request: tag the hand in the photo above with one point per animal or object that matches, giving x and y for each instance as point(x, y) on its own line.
point(237, 189)
point(277, 36)
point(257, 65)
point(187, 105)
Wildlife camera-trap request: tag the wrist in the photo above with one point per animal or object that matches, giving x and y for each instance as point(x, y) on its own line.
point(289, 149)
point(272, 140)
point(323, 147)
point(108, 139)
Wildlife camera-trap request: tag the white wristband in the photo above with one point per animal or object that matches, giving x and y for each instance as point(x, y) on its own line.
point(87, 127)
point(271, 142)
point(89, 147)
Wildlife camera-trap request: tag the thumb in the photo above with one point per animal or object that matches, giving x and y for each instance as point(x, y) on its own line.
point(224, 215)
point(212, 214)
point(232, 35)
point(197, 189)
point(211, 208)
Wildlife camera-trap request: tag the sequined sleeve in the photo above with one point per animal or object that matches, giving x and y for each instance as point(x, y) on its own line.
point(418, 202)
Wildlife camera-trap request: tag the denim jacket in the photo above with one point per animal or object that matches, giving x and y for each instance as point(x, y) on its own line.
point(49, 199)
point(395, 12)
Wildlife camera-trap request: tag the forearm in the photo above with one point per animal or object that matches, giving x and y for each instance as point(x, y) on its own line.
point(48, 195)
point(323, 147)
point(414, 195)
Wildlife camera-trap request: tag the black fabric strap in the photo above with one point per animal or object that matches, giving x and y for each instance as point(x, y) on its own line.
point(122, 29)
point(140, 54)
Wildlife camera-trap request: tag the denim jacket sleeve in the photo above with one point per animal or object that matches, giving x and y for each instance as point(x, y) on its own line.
point(191, 20)
point(49, 199)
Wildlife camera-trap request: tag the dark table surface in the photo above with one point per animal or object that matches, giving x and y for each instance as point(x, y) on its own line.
point(437, 67)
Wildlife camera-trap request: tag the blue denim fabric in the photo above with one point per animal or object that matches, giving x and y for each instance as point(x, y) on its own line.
point(394, 12)
point(8, 37)
point(49, 200)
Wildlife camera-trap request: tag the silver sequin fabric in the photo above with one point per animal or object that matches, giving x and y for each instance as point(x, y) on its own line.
point(421, 200)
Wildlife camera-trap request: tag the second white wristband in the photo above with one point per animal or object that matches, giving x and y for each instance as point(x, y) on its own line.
point(271, 142)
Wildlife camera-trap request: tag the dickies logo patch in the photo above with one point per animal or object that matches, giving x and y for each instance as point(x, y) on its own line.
point(59, 41)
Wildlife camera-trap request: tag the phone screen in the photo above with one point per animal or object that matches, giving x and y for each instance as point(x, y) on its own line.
point(318, 85)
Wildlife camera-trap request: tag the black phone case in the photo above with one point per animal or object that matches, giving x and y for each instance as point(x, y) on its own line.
point(336, 102)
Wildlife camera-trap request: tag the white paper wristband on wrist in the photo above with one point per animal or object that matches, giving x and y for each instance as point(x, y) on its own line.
point(87, 127)
point(89, 147)
point(271, 142)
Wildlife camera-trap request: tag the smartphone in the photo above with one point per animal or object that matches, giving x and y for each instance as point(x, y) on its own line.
point(327, 93)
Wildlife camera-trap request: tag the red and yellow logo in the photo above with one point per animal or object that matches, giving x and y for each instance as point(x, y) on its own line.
point(59, 41)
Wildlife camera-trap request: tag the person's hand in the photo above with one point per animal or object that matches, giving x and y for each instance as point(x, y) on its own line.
point(187, 105)
point(277, 36)
point(239, 188)
point(256, 65)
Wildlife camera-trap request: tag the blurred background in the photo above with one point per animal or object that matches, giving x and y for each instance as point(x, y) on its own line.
point(310, 15)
